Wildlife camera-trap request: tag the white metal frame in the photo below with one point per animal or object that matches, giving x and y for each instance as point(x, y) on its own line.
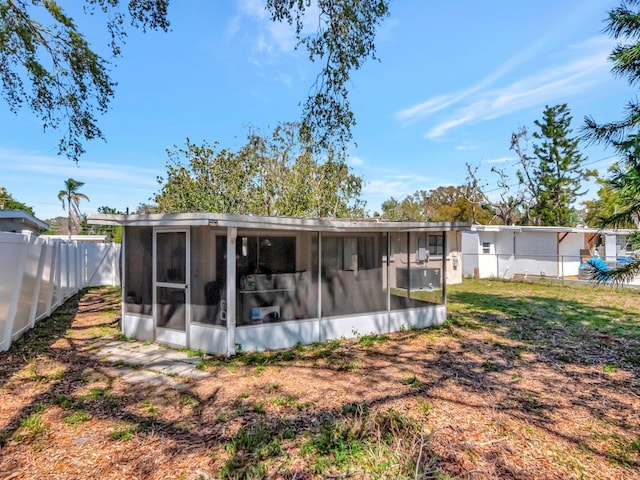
point(167, 335)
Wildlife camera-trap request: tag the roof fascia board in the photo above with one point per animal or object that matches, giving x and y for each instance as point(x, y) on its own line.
point(271, 223)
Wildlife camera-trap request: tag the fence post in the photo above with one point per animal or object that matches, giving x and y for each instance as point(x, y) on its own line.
point(59, 292)
point(36, 290)
point(52, 245)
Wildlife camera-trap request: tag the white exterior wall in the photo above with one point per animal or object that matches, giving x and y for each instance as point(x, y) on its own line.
point(496, 263)
point(207, 338)
point(454, 258)
point(537, 253)
point(138, 326)
point(505, 261)
point(288, 334)
point(487, 262)
point(569, 251)
point(610, 249)
point(470, 252)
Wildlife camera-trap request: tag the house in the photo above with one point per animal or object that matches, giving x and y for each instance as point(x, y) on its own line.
point(223, 282)
point(508, 251)
point(19, 221)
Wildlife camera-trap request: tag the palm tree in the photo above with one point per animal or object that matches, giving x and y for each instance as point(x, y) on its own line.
point(72, 197)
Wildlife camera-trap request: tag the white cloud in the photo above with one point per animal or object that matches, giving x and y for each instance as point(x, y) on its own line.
point(391, 184)
point(583, 65)
point(466, 147)
point(268, 38)
point(37, 164)
point(553, 84)
point(416, 112)
point(356, 161)
point(387, 188)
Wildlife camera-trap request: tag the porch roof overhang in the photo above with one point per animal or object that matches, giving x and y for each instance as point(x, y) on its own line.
point(273, 223)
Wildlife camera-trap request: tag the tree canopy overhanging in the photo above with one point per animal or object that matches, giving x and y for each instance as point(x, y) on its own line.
point(50, 67)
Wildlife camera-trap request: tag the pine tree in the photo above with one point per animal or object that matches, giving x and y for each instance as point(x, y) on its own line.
point(558, 173)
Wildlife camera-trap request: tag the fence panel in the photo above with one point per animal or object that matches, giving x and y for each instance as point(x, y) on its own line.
point(29, 284)
point(13, 250)
point(101, 264)
point(45, 296)
point(38, 273)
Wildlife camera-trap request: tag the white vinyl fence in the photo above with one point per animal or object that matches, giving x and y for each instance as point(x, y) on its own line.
point(37, 274)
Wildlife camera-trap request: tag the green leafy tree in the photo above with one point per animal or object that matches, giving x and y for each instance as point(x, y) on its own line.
point(277, 174)
point(451, 204)
point(441, 204)
point(410, 208)
point(609, 201)
point(57, 226)
point(343, 41)
point(70, 198)
point(47, 63)
point(623, 135)
point(7, 202)
point(113, 232)
point(146, 208)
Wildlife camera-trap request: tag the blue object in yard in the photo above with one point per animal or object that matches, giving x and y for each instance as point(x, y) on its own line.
point(600, 267)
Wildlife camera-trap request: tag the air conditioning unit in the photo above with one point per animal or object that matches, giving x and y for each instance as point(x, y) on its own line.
point(418, 278)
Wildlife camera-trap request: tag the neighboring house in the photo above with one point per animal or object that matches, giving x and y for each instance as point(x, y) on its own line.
point(221, 283)
point(506, 251)
point(19, 221)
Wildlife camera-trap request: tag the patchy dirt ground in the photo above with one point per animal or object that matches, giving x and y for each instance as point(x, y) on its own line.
point(525, 381)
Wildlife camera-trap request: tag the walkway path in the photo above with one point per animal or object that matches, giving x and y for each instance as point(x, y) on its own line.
point(154, 364)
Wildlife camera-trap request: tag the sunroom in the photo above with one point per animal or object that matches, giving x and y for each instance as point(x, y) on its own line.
point(221, 283)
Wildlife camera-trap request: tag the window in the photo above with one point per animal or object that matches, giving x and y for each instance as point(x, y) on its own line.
point(486, 247)
point(436, 245)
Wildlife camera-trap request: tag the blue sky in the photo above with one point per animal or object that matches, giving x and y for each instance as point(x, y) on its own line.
point(454, 80)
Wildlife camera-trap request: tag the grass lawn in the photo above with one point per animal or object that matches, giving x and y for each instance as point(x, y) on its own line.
point(528, 380)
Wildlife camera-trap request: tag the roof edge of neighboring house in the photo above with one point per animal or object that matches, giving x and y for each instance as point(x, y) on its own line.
point(24, 217)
